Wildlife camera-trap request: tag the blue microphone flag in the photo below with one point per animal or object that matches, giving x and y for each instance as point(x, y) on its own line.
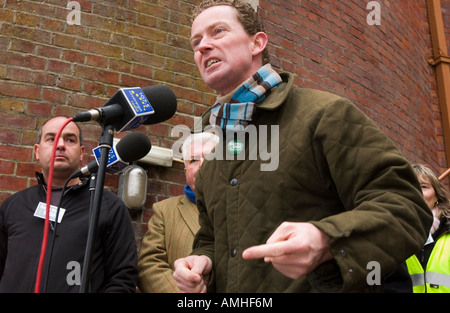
point(114, 164)
point(140, 107)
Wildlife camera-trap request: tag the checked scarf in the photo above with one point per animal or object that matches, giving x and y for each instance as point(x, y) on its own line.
point(236, 114)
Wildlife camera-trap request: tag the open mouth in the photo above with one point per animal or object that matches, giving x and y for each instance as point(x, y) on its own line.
point(212, 62)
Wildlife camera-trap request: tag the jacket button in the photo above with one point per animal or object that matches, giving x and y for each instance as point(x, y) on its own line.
point(233, 253)
point(234, 182)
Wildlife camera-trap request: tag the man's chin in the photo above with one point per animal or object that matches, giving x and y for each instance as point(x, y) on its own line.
point(63, 169)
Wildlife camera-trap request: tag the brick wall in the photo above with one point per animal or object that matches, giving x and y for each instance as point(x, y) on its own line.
point(383, 69)
point(48, 67)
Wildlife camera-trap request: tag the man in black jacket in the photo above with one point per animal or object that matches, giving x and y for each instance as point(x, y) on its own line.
point(22, 220)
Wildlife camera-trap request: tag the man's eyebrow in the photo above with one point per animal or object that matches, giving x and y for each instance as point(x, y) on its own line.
point(70, 135)
point(212, 26)
point(53, 134)
point(49, 134)
point(62, 134)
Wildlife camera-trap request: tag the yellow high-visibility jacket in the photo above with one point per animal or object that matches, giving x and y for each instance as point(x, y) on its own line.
point(436, 277)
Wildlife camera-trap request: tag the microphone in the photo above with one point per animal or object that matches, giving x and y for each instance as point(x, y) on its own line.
point(133, 187)
point(129, 108)
point(130, 148)
point(163, 101)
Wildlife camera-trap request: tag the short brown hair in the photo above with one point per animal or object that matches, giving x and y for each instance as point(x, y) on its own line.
point(245, 13)
point(39, 134)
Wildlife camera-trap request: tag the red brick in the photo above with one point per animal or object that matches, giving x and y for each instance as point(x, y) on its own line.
point(59, 67)
point(15, 153)
point(54, 96)
point(19, 90)
point(12, 183)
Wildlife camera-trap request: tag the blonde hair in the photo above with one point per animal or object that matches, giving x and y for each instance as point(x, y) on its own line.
point(203, 138)
point(443, 203)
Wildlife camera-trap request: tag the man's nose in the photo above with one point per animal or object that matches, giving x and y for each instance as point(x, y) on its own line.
point(204, 44)
point(61, 144)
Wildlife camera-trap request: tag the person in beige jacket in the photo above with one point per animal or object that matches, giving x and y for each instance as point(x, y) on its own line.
point(174, 223)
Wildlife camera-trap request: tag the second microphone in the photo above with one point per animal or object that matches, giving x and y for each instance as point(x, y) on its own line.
point(130, 148)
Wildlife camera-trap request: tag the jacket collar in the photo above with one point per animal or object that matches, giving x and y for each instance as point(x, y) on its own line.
point(41, 181)
point(278, 96)
point(444, 228)
point(275, 98)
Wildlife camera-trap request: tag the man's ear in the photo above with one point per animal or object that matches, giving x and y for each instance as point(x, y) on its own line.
point(36, 152)
point(260, 41)
point(82, 150)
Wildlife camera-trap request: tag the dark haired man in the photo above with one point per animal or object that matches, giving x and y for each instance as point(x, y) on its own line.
point(114, 265)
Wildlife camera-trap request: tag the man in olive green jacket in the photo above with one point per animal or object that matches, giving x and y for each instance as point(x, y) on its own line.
point(335, 198)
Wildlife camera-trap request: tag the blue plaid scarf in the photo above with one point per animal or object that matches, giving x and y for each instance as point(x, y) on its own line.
point(237, 113)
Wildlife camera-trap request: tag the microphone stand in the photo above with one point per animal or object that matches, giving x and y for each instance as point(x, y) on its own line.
point(106, 143)
point(92, 182)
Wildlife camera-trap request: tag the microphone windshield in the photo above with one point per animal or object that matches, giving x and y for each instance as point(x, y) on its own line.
point(163, 101)
point(133, 146)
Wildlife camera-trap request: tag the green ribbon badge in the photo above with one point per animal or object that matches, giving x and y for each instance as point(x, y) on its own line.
point(235, 146)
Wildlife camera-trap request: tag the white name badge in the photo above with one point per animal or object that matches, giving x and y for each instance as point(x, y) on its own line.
point(41, 211)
